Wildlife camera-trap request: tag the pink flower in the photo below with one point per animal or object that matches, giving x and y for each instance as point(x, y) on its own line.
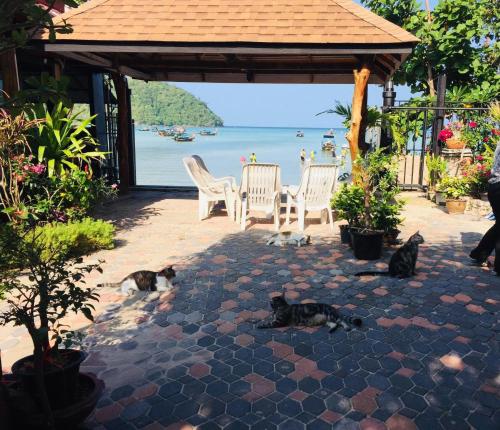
point(486, 139)
point(472, 124)
point(39, 169)
point(479, 158)
point(114, 186)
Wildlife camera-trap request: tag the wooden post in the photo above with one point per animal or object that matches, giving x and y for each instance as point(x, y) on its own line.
point(123, 131)
point(10, 73)
point(361, 77)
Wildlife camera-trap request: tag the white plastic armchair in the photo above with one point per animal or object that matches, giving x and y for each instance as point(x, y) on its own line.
point(211, 190)
point(260, 191)
point(314, 192)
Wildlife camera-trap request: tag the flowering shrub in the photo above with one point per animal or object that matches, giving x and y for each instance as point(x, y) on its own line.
point(28, 194)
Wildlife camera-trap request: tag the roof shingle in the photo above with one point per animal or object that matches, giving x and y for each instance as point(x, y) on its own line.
point(226, 21)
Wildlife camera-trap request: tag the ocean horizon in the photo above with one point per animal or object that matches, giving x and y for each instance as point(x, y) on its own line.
point(159, 159)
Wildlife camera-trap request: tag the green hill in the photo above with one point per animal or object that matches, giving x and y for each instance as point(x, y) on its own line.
point(158, 103)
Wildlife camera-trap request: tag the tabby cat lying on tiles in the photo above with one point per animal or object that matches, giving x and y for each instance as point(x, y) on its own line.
point(309, 314)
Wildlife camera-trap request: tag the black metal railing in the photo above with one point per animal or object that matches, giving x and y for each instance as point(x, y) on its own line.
point(415, 131)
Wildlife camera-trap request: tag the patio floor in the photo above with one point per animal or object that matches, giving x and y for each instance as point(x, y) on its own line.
point(427, 356)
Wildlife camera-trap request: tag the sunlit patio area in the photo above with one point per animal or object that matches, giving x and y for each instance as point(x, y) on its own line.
point(426, 356)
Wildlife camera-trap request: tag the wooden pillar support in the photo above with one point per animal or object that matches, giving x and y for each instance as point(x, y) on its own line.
point(123, 131)
point(10, 73)
point(359, 99)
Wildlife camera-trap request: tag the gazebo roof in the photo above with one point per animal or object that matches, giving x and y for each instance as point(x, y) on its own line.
point(296, 41)
point(226, 21)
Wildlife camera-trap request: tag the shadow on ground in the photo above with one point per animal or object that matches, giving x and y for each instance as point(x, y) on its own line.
point(426, 357)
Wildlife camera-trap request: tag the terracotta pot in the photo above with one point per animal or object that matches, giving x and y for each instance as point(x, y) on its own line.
point(454, 143)
point(456, 206)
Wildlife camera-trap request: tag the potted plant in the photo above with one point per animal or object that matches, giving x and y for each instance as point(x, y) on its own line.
point(455, 188)
point(348, 204)
point(436, 170)
point(378, 176)
point(386, 211)
point(451, 135)
point(42, 285)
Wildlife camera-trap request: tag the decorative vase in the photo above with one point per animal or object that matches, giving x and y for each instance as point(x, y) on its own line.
point(456, 206)
point(455, 143)
point(367, 244)
point(61, 380)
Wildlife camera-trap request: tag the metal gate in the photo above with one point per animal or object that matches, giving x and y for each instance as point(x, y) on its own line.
point(415, 131)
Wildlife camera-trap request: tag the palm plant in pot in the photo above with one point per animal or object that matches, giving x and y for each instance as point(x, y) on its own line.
point(380, 208)
point(348, 204)
point(436, 170)
point(42, 285)
point(455, 188)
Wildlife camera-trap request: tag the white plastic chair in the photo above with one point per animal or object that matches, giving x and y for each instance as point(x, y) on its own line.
point(211, 190)
point(260, 191)
point(314, 192)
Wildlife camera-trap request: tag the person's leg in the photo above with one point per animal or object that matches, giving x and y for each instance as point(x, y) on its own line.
point(494, 198)
point(492, 236)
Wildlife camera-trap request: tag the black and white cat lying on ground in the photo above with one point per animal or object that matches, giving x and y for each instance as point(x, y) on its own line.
point(309, 314)
point(289, 238)
point(403, 261)
point(145, 280)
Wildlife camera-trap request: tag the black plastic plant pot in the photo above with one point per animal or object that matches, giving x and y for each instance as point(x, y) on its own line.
point(28, 417)
point(345, 235)
point(367, 244)
point(61, 379)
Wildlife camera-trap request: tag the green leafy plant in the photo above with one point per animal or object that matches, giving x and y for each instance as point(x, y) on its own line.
point(436, 169)
point(63, 141)
point(454, 187)
point(381, 209)
point(74, 238)
point(348, 202)
point(43, 286)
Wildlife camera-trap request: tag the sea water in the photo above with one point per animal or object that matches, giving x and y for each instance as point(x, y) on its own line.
point(159, 159)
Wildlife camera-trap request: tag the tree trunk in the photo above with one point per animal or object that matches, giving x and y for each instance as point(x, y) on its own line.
point(430, 81)
point(353, 136)
point(40, 383)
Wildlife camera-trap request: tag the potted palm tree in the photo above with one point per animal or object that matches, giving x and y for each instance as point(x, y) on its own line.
point(41, 286)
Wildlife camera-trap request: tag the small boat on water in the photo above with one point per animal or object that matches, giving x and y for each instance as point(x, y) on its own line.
point(300, 133)
point(329, 134)
point(184, 137)
point(145, 129)
point(207, 132)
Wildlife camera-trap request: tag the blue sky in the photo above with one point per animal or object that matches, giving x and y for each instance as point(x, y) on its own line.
point(280, 105)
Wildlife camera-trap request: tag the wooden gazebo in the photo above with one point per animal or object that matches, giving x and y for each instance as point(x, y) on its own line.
point(240, 41)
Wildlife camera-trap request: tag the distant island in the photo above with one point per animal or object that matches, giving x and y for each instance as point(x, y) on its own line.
point(158, 103)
